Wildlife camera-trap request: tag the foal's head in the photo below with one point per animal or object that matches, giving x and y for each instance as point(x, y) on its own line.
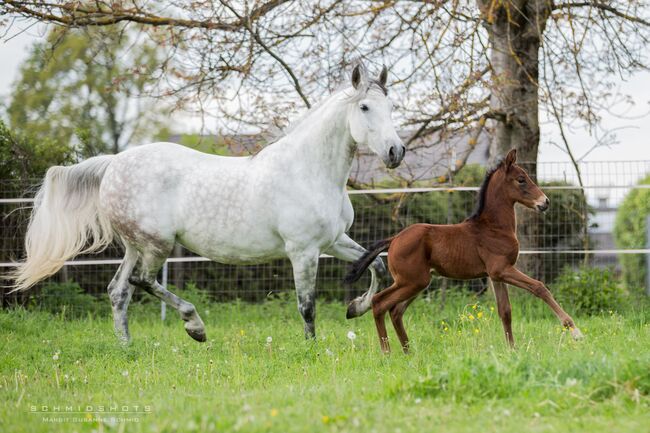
point(519, 187)
point(369, 118)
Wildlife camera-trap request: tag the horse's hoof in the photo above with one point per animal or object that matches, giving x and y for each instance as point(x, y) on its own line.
point(354, 310)
point(576, 334)
point(197, 333)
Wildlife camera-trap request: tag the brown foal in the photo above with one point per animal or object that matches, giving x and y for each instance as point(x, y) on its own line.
point(485, 244)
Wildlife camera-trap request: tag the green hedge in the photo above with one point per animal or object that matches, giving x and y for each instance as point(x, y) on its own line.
point(630, 232)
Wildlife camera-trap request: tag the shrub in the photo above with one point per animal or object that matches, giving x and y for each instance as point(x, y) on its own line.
point(69, 300)
point(630, 232)
point(589, 290)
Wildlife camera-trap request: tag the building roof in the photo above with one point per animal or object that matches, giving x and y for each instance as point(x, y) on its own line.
point(426, 158)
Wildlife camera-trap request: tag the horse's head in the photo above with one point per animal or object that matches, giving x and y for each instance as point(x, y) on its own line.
point(520, 187)
point(369, 118)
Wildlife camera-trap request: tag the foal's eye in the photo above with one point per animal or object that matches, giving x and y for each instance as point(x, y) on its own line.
point(364, 107)
point(521, 180)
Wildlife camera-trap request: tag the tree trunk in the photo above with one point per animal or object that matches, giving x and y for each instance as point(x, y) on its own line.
point(515, 29)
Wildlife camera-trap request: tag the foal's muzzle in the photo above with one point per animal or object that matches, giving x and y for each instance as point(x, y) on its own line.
point(543, 206)
point(395, 155)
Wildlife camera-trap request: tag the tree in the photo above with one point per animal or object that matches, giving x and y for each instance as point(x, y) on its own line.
point(86, 88)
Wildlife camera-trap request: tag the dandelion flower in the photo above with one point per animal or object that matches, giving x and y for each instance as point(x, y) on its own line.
point(474, 307)
point(241, 332)
point(471, 317)
point(479, 315)
point(325, 419)
point(351, 335)
point(476, 330)
point(269, 340)
point(55, 357)
point(274, 412)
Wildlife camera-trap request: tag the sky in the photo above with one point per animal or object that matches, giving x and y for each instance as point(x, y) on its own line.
point(632, 129)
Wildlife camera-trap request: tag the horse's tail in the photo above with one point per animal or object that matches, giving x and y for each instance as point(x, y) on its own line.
point(360, 305)
point(64, 219)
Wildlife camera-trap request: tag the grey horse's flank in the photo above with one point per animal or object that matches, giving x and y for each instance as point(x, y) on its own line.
point(288, 201)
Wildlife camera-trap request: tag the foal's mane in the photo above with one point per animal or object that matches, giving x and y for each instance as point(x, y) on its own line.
point(480, 203)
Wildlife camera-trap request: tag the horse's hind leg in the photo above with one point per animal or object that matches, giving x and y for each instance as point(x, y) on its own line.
point(396, 314)
point(144, 276)
point(120, 292)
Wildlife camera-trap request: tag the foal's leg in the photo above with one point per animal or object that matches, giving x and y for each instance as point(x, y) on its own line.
point(120, 292)
point(305, 267)
point(512, 275)
point(396, 314)
point(504, 309)
point(144, 276)
point(347, 249)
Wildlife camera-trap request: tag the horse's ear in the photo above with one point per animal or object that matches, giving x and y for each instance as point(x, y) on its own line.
point(358, 76)
point(511, 158)
point(383, 76)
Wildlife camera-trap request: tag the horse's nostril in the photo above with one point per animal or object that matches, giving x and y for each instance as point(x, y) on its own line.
point(548, 202)
point(391, 153)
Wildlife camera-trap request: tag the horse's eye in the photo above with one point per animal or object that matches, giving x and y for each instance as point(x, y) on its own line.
point(364, 107)
point(521, 180)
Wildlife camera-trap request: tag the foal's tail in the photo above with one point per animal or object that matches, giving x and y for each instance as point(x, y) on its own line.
point(357, 268)
point(65, 217)
point(360, 305)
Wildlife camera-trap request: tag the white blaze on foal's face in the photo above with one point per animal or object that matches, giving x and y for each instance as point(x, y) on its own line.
point(370, 119)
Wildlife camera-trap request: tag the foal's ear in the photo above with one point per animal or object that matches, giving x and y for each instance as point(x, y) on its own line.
point(383, 76)
point(511, 158)
point(358, 76)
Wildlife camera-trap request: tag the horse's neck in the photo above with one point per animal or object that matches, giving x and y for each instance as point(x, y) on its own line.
point(323, 145)
point(499, 212)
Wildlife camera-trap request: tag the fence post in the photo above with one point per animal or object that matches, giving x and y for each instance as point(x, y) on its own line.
point(163, 306)
point(647, 256)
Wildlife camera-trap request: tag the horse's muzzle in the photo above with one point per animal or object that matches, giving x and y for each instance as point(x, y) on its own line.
point(543, 207)
point(395, 155)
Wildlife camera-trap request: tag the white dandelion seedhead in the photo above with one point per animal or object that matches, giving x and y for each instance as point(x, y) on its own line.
point(125, 373)
point(269, 340)
point(351, 335)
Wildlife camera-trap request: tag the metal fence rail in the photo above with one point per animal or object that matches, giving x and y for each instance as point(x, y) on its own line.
point(558, 240)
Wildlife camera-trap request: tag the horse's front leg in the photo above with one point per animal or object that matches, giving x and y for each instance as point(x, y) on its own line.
point(305, 267)
point(347, 249)
point(514, 276)
point(504, 308)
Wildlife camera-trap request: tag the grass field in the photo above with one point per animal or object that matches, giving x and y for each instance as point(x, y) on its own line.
point(460, 376)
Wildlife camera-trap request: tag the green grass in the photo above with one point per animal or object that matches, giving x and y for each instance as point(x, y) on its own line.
point(459, 377)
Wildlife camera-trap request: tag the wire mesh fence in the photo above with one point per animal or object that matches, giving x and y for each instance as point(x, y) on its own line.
point(577, 230)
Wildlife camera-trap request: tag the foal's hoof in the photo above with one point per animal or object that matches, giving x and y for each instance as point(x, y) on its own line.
point(196, 333)
point(576, 334)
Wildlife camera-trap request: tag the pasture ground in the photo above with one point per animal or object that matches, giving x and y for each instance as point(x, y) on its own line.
point(460, 376)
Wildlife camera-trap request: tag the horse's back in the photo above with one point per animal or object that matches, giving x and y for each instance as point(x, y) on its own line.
point(450, 249)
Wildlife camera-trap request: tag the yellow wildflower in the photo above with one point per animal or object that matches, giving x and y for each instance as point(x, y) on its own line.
point(274, 412)
point(325, 419)
point(470, 317)
point(480, 314)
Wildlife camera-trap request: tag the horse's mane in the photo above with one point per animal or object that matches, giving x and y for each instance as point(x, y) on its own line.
point(480, 202)
point(355, 95)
